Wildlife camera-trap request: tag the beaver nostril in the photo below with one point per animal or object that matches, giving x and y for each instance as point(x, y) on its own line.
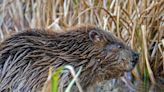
point(135, 57)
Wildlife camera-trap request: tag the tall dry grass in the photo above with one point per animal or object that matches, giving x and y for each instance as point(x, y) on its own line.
point(140, 23)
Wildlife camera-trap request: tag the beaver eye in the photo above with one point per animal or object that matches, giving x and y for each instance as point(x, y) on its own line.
point(119, 46)
point(114, 47)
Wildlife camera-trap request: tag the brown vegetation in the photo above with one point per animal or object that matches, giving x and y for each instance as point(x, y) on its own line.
point(138, 22)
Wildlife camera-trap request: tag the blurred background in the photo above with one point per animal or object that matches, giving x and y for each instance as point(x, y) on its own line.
point(140, 23)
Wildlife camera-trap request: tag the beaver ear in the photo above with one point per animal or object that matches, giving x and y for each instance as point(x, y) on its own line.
point(95, 36)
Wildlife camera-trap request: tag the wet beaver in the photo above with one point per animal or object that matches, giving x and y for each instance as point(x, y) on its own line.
point(25, 57)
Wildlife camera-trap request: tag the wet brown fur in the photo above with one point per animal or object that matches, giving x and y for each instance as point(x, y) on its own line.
point(26, 57)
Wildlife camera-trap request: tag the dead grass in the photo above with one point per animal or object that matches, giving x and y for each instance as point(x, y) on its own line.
point(138, 22)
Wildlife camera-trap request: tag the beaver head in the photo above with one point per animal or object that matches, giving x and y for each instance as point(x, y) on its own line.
point(26, 57)
point(107, 56)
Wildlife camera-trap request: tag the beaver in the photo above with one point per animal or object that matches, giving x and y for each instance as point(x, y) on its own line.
point(25, 57)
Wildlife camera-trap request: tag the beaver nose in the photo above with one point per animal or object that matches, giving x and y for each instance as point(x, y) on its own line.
point(135, 57)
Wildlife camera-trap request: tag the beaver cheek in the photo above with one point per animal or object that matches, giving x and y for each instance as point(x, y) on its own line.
point(126, 66)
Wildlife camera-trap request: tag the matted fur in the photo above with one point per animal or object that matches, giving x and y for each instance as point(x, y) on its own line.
point(25, 57)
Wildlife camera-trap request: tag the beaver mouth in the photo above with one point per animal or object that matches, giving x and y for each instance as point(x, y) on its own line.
point(133, 63)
